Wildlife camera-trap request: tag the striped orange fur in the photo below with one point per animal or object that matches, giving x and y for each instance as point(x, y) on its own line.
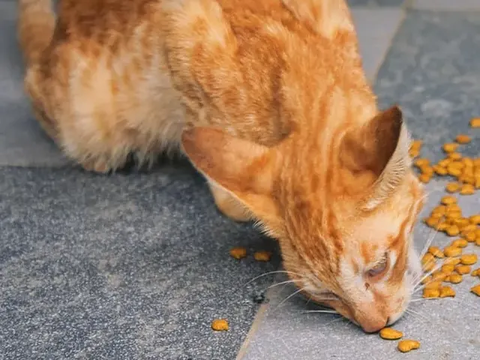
point(269, 101)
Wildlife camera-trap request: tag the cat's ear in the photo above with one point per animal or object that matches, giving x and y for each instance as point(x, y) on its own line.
point(244, 169)
point(380, 150)
point(326, 17)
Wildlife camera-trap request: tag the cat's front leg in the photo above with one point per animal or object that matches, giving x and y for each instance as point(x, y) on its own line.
point(229, 205)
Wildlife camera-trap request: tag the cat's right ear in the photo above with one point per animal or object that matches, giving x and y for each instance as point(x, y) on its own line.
point(377, 154)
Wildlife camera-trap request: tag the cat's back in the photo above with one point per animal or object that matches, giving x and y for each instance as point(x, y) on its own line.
point(101, 21)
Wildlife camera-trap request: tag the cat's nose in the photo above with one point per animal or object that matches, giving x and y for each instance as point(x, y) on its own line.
point(374, 325)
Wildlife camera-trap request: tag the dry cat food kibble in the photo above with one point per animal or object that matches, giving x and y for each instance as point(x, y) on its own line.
point(408, 345)
point(447, 291)
point(431, 293)
point(262, 255)
point(452, 251)
point(220, 325)
point(435, 251)
point(463, 139)
point(476, 272)
point(476, 290)
point(390, 334)
point(463, 269)
point(447, 200)
point(450, 147)
point(461, 243)
point(238, 253)
point(468, 259)
point(475, 123)
point(454, 278)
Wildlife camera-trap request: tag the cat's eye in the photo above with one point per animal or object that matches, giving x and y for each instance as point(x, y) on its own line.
point(379, 269)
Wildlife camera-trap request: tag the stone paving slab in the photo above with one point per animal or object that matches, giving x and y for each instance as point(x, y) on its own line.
point(456, 5)
point(121, 267)
point(435, 78)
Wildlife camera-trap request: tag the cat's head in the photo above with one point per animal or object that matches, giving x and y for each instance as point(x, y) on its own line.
point(342, 206)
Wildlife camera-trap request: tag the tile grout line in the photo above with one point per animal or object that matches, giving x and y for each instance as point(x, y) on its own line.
point(259, 317)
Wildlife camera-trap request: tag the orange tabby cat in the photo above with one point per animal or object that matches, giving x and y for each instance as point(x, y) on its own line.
point(269, 101)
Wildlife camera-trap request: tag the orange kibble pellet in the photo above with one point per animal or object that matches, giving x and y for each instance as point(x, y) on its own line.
point(440, 170)
point(408, 345)
point(436, 215)
point(451, 261)
point(461, 243)
point(477, 242)
point(453, 230)
point(453, 187)
point(467, 189)
point(431, 222)
point(454, 171)
point(450, 147)
point(262, 255)
point(431, 293)
point(416, 144)
point(469, 228)
point(476, 272)
point(475, 123)
point(444, 162)
point(440, 209)
point(454, 215)
point(429, 266)
point(422, 162)
point(442, 226)
point(435, 251)
point(413, 153)
point(470, 236)
point(454, 278)
point(455, 156)
point(451, 251)
point(463, 269)
point(461, 222)
point(475, 219)
point(425, 178)
point(476, 290)
point(447, 268)
point(447, 200)
point(220, 325)
point(439, 276)
point(238, 253)
point(463, 139)
point(468, 162)
point(468, 259)
point(428, 257)
point(447, 291)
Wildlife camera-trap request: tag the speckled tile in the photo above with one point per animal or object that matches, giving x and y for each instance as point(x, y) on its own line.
point(457, 5)
point(433, 72)
point(121, 267)
point(22, 141)
point(435, 77)
point(375, 3)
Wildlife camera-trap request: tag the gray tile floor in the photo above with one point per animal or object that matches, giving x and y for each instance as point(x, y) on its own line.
point(135, 266)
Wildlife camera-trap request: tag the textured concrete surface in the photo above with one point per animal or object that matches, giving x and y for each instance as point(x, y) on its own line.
point(432, 71)
point(121, 267)
point(457, 5)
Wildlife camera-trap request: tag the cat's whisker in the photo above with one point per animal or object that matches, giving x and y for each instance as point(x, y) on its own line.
point(416, 286)
point(271, 273)
point(280, 283)
point(321, 311)
point(429, 242)
point(288, 297)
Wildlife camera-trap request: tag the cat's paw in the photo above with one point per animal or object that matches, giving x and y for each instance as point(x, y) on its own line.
point(98, 166)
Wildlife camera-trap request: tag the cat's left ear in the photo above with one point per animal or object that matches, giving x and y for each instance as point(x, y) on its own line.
point(243, 168)
point(379, 150)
